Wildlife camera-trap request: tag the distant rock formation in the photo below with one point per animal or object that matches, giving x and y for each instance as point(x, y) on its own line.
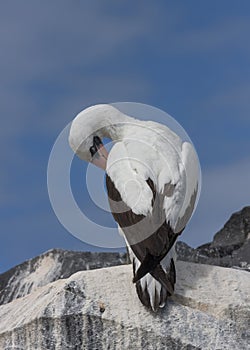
point(54, 264)
point(230, 246)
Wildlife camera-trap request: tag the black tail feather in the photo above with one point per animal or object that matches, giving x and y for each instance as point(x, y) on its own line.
point(166, 279)
point(148, 264)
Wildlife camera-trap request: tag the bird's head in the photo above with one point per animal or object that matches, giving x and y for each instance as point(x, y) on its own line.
point(91, 149)
point(86, 134)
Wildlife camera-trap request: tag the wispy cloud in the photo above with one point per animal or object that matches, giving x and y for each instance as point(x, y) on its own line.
point(48, 37)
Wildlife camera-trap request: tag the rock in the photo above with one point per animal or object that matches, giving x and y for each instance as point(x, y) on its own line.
point(51, 266)
point(236, 230)
point(230, 246)
point(185, 252)
point(49, 305)
point(100, 309)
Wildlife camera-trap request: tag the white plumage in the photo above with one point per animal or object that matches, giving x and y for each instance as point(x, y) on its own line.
point(148, 149)
point(143, 150)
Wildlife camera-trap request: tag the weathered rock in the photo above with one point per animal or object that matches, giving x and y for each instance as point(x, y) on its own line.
point(235, 231)
point(100, 310)
point(51, 266)
point(230, 246)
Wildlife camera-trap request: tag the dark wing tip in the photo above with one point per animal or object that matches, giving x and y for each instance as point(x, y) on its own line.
point(148, 264)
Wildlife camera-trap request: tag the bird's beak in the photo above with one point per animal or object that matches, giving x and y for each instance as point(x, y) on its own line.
point(100, 157)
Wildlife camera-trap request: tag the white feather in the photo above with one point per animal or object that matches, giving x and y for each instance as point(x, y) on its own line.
point(150, 150)
point(129, 180)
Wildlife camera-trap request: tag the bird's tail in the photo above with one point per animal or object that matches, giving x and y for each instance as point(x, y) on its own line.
point(154, 288)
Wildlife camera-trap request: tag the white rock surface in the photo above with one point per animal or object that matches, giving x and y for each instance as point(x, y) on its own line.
point(99, 309)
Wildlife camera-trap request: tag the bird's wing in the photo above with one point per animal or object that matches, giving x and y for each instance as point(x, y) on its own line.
point(172, 166)
point(149, 241)
point(152, 190)
point(182, 208)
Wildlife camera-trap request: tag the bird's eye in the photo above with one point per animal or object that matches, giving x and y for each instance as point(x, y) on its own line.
point(93, 150)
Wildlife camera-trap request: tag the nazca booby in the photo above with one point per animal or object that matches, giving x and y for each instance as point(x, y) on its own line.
point(152, 179)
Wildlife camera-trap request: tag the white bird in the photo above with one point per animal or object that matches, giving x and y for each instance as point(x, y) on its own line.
point(152, 179)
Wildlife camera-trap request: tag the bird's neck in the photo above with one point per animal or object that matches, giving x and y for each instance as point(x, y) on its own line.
point(114, 126)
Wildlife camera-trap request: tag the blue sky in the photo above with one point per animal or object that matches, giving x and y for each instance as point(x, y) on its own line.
point(189, 58)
